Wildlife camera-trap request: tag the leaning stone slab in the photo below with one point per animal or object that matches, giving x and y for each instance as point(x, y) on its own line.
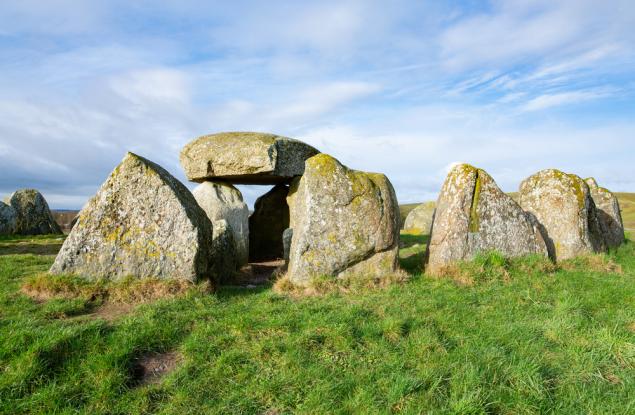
point(245, 158)
point(141, 223)
point(267, 224)
point(473, 215)
point(609, 214)
point(8, 219)
point(419, 219)
point(33, 214)
point(344, 223)
point(222, 201)
point(563, 206)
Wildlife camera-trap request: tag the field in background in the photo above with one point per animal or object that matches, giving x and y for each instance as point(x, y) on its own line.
point(520, 341)
point(627, 204)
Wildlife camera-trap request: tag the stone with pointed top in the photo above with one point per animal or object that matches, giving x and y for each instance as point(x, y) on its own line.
point(141, 223)
point(474, 216)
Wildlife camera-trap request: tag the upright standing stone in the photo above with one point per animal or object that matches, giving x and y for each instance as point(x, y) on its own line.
point(344, 223)
point(267, 223)
point(142, 223)
point(473, 215)
point(224, 248)
point(245, 158)
point(420, 218)
point(222, 201)
point(562, 204)
point(33, 213)
point(8, 219)
point(609, 214)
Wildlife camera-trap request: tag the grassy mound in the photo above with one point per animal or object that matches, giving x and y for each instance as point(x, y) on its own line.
point(520, 336)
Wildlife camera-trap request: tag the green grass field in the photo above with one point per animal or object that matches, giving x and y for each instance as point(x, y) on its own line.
point(523, 340)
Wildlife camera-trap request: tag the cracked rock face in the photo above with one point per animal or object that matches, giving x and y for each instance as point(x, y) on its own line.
point(222, 201)
point(344, 223)
point(142, 223)
point(33, 214)
point(245, 158)
point(609, 214)
point(420, 218)
point(563, 206)
point(473, 215)
point(8, 219)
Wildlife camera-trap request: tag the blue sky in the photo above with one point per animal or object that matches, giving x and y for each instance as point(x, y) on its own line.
point(406, 88)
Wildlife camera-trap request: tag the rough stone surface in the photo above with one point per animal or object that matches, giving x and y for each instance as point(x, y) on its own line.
point(33, 213)
point(344, 223)
point(245, 158)
point(222, 201)
point(142, 223)
point(609, 214)
point(8, 219)
point(224, 248)
point(267, 223)
point(420, 218)
point(287, 236)
point(473, 215)
point(563, 206)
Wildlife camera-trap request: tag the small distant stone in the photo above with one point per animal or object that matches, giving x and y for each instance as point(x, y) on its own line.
point(141, 223)
point(472, 216)
point(33, 214)
point(420, 218)
point(245, 158)
point(8, 219)
point(562, 205)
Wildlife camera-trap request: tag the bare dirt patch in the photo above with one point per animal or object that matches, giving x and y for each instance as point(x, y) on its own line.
point(258, 273)
point(151, 368)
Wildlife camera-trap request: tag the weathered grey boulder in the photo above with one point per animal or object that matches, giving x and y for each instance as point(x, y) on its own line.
point(609, 214)
point(225, 254)
point(344, 223)
point(245, 158)
point(267, 223)
point(473, 215)
point(142, 223)
point(222, 201)
point(419, 219)
point(33, 213)
point(8, 219)
point(563, 206)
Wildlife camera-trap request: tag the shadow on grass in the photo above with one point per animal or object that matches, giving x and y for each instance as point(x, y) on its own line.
point(30, 248)
point(412, 252)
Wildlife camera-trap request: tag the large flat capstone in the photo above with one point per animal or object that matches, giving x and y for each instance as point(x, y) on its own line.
point(245, 158)
point(141, 223)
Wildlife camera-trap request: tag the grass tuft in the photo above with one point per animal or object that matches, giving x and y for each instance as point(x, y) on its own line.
point(325, 285)
point(43, 287)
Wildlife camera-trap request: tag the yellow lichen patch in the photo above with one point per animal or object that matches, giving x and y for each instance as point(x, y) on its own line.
point(474, 225)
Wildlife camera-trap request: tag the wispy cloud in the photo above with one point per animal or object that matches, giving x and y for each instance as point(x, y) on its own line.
point(407, 89)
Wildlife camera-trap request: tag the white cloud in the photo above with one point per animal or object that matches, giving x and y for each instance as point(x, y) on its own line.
point(546, 101)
